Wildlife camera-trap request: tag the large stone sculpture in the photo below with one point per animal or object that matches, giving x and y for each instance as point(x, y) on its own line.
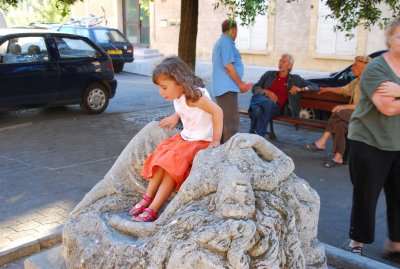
point(241, 207)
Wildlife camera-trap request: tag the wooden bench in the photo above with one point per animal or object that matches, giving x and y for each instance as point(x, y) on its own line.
point(310, 100)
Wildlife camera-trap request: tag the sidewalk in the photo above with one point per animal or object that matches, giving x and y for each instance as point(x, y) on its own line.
point(23, 232)
point(203, 69)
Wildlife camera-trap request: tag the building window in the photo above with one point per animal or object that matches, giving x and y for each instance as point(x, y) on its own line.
point(330, 42)
point(252, 37)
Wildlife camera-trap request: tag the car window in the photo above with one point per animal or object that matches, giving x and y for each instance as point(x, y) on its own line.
point(118, 37)
point(83, 31)
point(69, 30)
point(75, 48)
point(108, 36)
point(24, 50)
point(102, 36)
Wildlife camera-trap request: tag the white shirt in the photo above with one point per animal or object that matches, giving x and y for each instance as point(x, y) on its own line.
point(197, 123)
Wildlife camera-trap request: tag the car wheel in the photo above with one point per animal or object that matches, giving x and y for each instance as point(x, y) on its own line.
point(95, 99)
point(307, 113)
point(118, 67)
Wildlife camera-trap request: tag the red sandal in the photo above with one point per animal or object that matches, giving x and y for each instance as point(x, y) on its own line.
point(148, 215)
point(139, 208)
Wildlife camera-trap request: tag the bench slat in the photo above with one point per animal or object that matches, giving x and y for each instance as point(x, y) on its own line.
point(326, 96)
point(324, 101)
point(317, 104)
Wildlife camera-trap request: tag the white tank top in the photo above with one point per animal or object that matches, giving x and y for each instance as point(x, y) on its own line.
point(197, 123)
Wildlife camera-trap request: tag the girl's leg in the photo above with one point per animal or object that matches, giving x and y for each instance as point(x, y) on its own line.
point(165, 189)
point(154, 182)
point(151, 191)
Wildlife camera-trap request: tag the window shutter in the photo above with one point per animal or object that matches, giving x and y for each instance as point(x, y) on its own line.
point(243, 38)
point(258, 33)
point(326, 41)
point(344, 45)
point(252, 37)
point(330, 42)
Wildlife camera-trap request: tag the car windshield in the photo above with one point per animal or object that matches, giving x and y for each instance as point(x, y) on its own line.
point(108, 36)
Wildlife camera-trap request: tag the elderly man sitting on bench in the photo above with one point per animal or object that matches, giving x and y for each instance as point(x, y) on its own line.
point(275, 93)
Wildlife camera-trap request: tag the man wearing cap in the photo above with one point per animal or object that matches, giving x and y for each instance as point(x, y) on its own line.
point(227, 73)
point(339, 120)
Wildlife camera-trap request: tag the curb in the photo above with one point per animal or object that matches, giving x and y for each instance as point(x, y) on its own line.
point(24, 249)
point(340, 258)
point(336, 258)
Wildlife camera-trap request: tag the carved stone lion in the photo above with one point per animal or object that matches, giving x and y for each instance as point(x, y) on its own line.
point(241, 207)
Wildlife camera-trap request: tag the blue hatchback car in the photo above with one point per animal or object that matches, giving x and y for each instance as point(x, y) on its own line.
point(109, 39)
point(48, 68)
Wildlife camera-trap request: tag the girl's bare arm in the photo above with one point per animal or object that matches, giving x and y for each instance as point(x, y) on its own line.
point(170, 121)
point(217, 115)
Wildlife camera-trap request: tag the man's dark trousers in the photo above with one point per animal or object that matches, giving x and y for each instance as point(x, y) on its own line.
point(260, 112)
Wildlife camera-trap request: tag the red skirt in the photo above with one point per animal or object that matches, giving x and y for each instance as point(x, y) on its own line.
point(175, 156)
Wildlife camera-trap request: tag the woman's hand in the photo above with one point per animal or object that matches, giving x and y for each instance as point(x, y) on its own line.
point(342, 107)
point(214, 144)
point(389, 89)
point(171, 121)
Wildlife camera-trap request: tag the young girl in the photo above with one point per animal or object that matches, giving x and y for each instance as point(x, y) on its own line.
point(169, 165)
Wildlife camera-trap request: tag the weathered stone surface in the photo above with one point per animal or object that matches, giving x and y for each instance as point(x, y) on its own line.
point(241, 207)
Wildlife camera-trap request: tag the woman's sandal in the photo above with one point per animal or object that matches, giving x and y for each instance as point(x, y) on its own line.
point(148, 215)
point(393, 256)
point(312, 147)
point(331, 163)
point(139, 208)
point(358, 250)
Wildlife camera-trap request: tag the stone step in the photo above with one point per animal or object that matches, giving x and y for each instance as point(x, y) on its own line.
point(51, 258)
point(145, 53)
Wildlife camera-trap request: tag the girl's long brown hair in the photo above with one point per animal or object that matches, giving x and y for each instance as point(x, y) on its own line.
point(174, 68)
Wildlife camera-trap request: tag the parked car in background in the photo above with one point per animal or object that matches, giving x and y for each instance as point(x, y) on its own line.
point(340, 78)
point(49, 68)
point(110, 39)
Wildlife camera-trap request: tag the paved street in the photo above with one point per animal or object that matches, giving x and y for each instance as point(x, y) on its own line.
point(47, 164)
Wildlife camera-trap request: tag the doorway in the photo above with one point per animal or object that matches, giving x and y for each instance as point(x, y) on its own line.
point(136, 25)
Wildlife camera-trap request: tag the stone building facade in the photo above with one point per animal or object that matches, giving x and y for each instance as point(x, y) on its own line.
point(298, 28)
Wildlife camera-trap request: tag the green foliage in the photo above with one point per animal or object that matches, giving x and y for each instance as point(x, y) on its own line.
point(349, 13)
point(354, 13)
point(62, 6)
point(39, 11)
point(247, 10)
point(144, 6)
point(6, 3)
